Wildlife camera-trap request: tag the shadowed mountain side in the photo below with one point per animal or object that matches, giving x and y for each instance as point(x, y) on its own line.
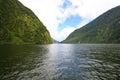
point(104, 29)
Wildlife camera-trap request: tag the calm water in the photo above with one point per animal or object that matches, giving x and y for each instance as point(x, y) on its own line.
point(60, 62)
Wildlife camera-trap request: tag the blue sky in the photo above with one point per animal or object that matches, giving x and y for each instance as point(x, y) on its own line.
point(72, 21)
point(66, 4)
point(61, 17)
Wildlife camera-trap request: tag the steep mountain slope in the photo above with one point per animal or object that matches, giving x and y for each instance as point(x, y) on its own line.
point(104, 29)
point(19, 25)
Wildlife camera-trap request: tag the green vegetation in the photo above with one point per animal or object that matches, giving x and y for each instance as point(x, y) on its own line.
point(104, 29)
point(19, 25)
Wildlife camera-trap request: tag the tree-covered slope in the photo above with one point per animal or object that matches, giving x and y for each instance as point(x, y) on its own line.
point(104, 29)
point(19, 25)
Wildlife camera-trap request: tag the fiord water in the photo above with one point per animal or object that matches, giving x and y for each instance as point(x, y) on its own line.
point(60, 62)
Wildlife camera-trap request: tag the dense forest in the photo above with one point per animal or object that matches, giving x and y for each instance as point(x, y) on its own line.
point(19, 25)
point(104, 29)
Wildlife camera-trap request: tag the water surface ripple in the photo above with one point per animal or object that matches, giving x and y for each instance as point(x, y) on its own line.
point(60, 62)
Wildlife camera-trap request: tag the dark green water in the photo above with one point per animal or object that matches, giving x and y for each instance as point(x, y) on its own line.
point(60, 62)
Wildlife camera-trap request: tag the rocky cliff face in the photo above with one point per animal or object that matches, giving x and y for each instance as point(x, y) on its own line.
point(19, 25)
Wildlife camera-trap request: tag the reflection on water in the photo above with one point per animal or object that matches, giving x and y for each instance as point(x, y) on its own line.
point(60, 62)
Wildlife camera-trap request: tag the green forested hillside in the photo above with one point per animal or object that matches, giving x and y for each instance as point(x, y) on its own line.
point(104, 29)
point(19, 25)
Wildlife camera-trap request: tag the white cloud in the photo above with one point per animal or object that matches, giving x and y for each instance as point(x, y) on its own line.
point(64, 33)
point(94, 8)
point(51, 14)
